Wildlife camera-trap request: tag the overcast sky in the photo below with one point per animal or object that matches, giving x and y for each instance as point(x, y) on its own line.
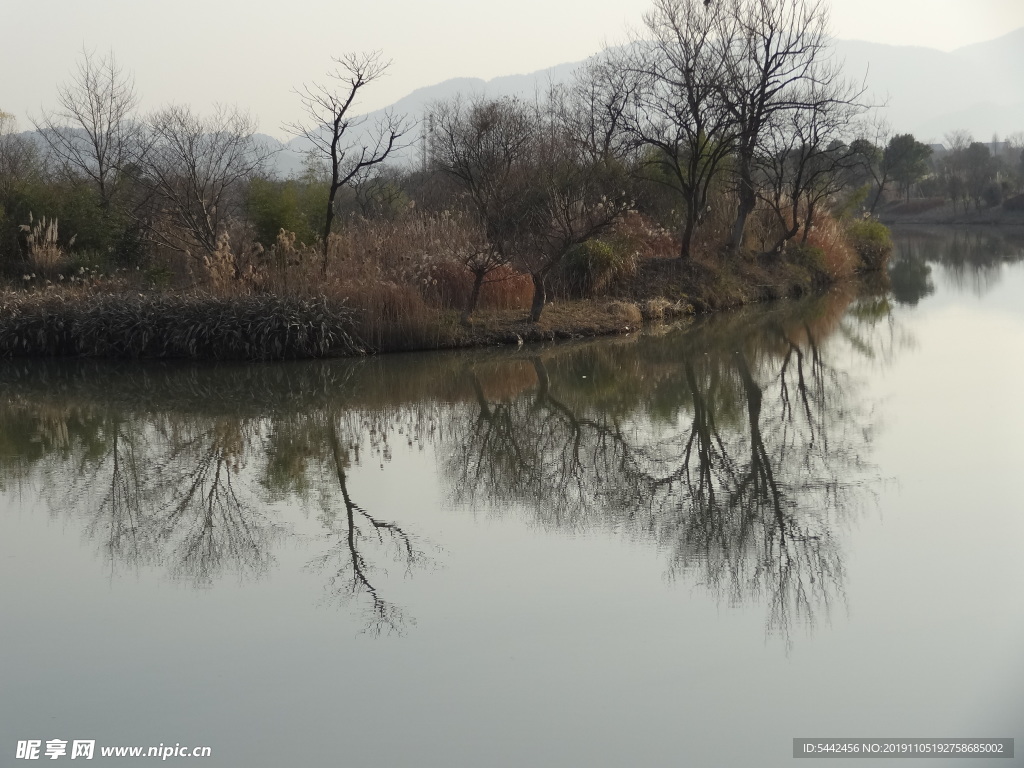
point(252, 54)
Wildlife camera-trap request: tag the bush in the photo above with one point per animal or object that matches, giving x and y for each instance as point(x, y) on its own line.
point(992, 194)
point(808, 256)
point(871, 240)
point(589, 268)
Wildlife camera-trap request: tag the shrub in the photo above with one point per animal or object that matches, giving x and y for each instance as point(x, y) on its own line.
point(871, 240)
point(992, 194)
point(806, 255)
point(590, 267)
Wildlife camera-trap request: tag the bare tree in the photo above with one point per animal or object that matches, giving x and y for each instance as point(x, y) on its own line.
point(93, 133)
point(593, 109)
point(679, 110)
point(195, 167)
point(535, 191)
point(777, 50)
point(868, 150)
point(19, 159)
point(575, 207)
point(487, 148)
point(335, 132)
point(805, 161)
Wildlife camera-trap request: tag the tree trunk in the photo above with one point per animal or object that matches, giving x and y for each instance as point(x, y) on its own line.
point(540, 297)
point(808, 222)
point(327, 225)
point(747, 201)
point(474, 295)
point(878, 194)
point(685, 247)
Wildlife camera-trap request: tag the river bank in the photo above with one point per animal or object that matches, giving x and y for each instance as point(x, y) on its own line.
point(121, 320)
point(932, 212)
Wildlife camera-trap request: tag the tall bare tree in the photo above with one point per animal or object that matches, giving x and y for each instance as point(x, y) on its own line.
point(679, 110)
point(778, 51)
point(487, 147)
point(195, 167)
point(93, 133)
point(804, 160)
point(336, 133)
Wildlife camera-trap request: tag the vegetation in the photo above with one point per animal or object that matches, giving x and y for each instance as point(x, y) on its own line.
point(716, 164)
point(871, 240)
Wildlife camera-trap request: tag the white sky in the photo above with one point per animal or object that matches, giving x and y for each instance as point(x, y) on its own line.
point(253, 53)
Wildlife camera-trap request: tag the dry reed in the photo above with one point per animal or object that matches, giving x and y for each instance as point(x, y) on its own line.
point(174, 326)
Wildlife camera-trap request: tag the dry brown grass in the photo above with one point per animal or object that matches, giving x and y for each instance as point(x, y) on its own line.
point(386, 286)
point(628, 313)
point(450, 285)
point(840, 259)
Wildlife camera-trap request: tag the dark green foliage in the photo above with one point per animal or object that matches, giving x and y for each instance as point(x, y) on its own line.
point(908, 160)
point(810, 257)
point(293, 205)
point(168, 326)
point(110, 236)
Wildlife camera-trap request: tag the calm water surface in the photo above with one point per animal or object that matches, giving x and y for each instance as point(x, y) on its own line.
point(680, 549)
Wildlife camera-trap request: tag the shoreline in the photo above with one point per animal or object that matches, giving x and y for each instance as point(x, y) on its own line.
point(202, 327)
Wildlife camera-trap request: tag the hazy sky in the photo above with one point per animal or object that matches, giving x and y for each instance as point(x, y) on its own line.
point(252, 54)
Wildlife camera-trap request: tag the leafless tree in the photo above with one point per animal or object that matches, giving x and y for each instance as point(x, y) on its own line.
point(868, 150)
point(19, 158)
point(804, 160)
point(194, 167)
point(778, 50)
point(535, 191)
point(93, 132)
point(336, 134)
point(594, 107)
point(576, 207)
point(487, 147)
point(679, 110)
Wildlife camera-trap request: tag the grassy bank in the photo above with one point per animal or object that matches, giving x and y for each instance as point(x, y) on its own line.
point(386, 290)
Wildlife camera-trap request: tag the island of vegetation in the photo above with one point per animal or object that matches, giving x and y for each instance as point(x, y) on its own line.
point(720, 158)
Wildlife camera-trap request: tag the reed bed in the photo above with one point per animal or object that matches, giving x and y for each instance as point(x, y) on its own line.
point(399, 286)
point(176, 326)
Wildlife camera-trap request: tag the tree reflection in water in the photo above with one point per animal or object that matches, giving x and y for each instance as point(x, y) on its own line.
point(734, 445)
point(970, 259)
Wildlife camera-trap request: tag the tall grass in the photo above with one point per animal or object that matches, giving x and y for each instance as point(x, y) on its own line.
point(42, 244)
point(384, 285)
point(175, 326)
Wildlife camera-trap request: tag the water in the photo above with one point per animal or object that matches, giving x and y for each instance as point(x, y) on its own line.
point(679, 549)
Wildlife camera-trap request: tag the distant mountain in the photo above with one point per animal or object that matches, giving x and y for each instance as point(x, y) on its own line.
point(978, 88)
point(929, 93)
point(417, 103)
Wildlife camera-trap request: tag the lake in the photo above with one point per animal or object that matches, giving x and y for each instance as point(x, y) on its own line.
point(688, 547)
